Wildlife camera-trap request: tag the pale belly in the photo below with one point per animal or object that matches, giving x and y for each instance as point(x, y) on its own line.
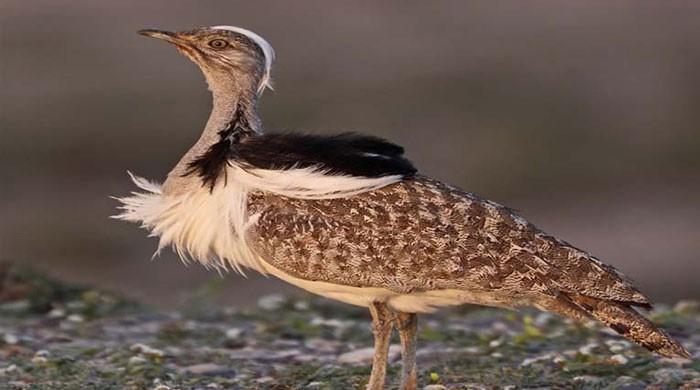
point(415, 302)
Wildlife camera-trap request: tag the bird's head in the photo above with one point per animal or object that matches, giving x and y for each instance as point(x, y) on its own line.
point(225, 54)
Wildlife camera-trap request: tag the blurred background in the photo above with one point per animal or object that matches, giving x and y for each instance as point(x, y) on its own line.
point(585, 116)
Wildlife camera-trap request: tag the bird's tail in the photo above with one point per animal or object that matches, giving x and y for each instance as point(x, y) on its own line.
point(623, 319)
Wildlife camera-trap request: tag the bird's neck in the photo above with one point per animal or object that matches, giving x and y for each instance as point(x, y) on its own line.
point(231, 108)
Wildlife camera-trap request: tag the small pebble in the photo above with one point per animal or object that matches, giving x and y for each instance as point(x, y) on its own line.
point(365, 355)
point(41, 353)
point(136, 361)
point(11, 369)
point(332, 322)
point(271, 302)
point(571, 353)
point(619, 359)
point(265, 379)
point(536, 359)
point(496, 343)
point(559, 359)
point(39, 360)
point(56, 313)
point(234, 333)
point(542, 319)
point(11, 339)
point(672, 375)
point(627, 383)
point(76, 318)
point(501, 327)
point(617, 346)
point(588, 380)
point(146, 350)
point(472, 350)
point(435, 387)
point(302, 305)
point(76, 305)
point(209, 369)
point(589, 348)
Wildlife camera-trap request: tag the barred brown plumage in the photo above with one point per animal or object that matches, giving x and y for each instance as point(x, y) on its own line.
point(421, 234)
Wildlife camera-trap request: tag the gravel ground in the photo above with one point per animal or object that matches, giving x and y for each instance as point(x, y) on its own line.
point(54, 336)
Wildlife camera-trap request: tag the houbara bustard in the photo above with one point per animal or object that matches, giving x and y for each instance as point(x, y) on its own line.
point(347, 217)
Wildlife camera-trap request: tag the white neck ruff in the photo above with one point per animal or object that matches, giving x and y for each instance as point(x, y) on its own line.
point(211, 226)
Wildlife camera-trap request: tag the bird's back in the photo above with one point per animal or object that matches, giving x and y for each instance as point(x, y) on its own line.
point(421, 234)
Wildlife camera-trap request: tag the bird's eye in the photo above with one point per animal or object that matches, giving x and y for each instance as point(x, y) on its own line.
point(218, 43)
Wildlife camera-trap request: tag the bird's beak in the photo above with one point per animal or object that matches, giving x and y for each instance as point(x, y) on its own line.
point(164, 35)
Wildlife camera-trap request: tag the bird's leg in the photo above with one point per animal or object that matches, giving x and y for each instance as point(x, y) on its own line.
point(382, 323)
point(407, 325)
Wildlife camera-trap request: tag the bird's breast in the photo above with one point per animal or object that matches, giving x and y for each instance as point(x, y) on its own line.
point(208, 226)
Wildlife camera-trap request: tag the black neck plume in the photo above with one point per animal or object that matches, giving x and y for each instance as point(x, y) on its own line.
point(210, 165)
point(346, 154)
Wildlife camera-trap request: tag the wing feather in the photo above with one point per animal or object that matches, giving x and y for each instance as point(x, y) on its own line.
point(421, 234)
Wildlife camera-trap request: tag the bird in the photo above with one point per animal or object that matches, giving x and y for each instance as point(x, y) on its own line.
point(349, 217)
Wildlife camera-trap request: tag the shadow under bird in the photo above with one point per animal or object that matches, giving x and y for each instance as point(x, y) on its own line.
point(348, 217)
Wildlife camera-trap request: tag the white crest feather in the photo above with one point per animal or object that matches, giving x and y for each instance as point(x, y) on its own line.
point(268, 52)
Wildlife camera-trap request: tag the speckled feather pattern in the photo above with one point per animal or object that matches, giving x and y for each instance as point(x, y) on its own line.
point(421, 234)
